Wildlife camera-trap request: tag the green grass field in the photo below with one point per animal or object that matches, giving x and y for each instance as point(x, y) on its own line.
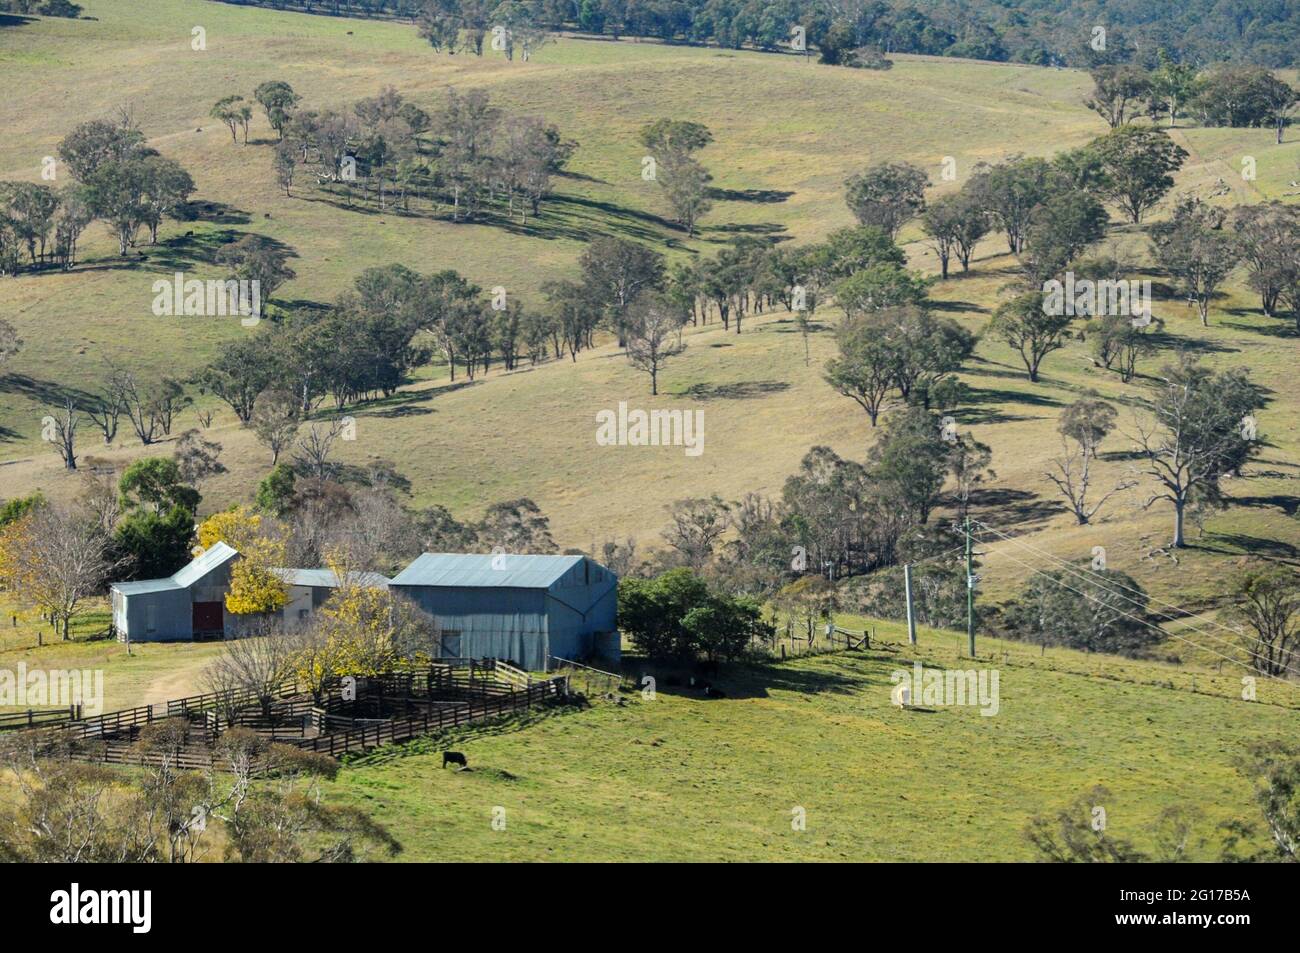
point(682, 777)
point(143, 675)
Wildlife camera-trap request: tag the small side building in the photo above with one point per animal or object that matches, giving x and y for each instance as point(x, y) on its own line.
point(310, 588)
point(190, 604)
point(521, 608)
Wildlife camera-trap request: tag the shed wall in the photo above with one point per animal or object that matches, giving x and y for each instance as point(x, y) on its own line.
point(490, 622)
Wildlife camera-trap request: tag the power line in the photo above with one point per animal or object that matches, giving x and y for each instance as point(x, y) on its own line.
point(1079, 575)
point(1046, 555)
point(1112, 586)
point(1144, 622)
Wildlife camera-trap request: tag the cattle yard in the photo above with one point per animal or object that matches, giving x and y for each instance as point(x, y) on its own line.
point(344, 715)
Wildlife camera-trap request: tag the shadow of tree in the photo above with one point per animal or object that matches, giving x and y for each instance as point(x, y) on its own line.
point(1019, 508)
point(741, 390)
point(958, 307)
point(741, 680)
point(217, 213)
point(749, 195)
point(1235, 544)
point(42, 391)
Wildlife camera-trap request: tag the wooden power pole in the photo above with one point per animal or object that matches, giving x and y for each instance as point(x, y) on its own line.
point(911, 614)
point(970, 595)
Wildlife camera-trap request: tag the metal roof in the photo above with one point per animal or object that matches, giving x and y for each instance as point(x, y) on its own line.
point(503, 571)
point(144, 585)
point(325, 578)
point(217, 554)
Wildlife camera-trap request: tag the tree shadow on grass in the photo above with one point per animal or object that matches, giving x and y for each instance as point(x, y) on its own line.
point(193, 248)
point(303, 308)
point(579, 177)
point(407, 403)
point(727, 232)
point(764, 196)
point(1002, 506)
point(791, 326)
point(579, 218)
point(360, 475)
point(741, 390)
point(1279, 330)
point(958, 307)
point(1286, 502)
point(1235, 544)
point(741, 680)
point(42, 391)
point(984, 405)
point(1168, 340)
point(216, 213)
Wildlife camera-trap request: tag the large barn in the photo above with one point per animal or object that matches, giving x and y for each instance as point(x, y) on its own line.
point(526, 609)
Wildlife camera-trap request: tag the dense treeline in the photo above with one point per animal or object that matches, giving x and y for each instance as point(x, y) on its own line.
point(1042, 32)
point(44, 8)
point(1224, 95)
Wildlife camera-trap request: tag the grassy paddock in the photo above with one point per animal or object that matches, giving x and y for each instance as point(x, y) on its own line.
point(683, 777)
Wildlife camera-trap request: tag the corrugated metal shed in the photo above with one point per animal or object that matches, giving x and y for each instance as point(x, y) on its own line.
point(145, 585)
point(503, 570)
point(521, 607)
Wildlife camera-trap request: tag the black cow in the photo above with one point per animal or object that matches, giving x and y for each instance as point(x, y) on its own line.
point(454, 757)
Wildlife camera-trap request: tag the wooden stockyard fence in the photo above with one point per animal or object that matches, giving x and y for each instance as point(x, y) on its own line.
point(33, 718)
point(349, 716)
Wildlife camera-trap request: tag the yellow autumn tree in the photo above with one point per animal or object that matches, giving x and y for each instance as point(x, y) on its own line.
point(238, 527)
point(361, 630)
point(16, 572)
point(360, 620)
point(254, 587)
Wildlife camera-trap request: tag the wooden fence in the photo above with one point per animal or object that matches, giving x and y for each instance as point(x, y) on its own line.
point(110, 723)
point(446, 695)
point(365, 737)
point(32, 718)
point(584, 678)
point(236, 698)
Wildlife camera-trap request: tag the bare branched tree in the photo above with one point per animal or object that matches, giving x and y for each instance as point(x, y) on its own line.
point(257, 664)
point(315, 446)
point(59, 430)
point(57, 558)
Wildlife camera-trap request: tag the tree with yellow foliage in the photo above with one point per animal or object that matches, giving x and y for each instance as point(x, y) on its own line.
point(254, 588)
point(362, 629)
point(238, 527)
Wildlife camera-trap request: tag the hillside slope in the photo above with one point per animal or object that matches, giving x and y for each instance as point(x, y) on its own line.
point(787, 133)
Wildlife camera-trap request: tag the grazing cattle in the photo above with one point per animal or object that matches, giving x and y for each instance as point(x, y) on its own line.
point(454, 757)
